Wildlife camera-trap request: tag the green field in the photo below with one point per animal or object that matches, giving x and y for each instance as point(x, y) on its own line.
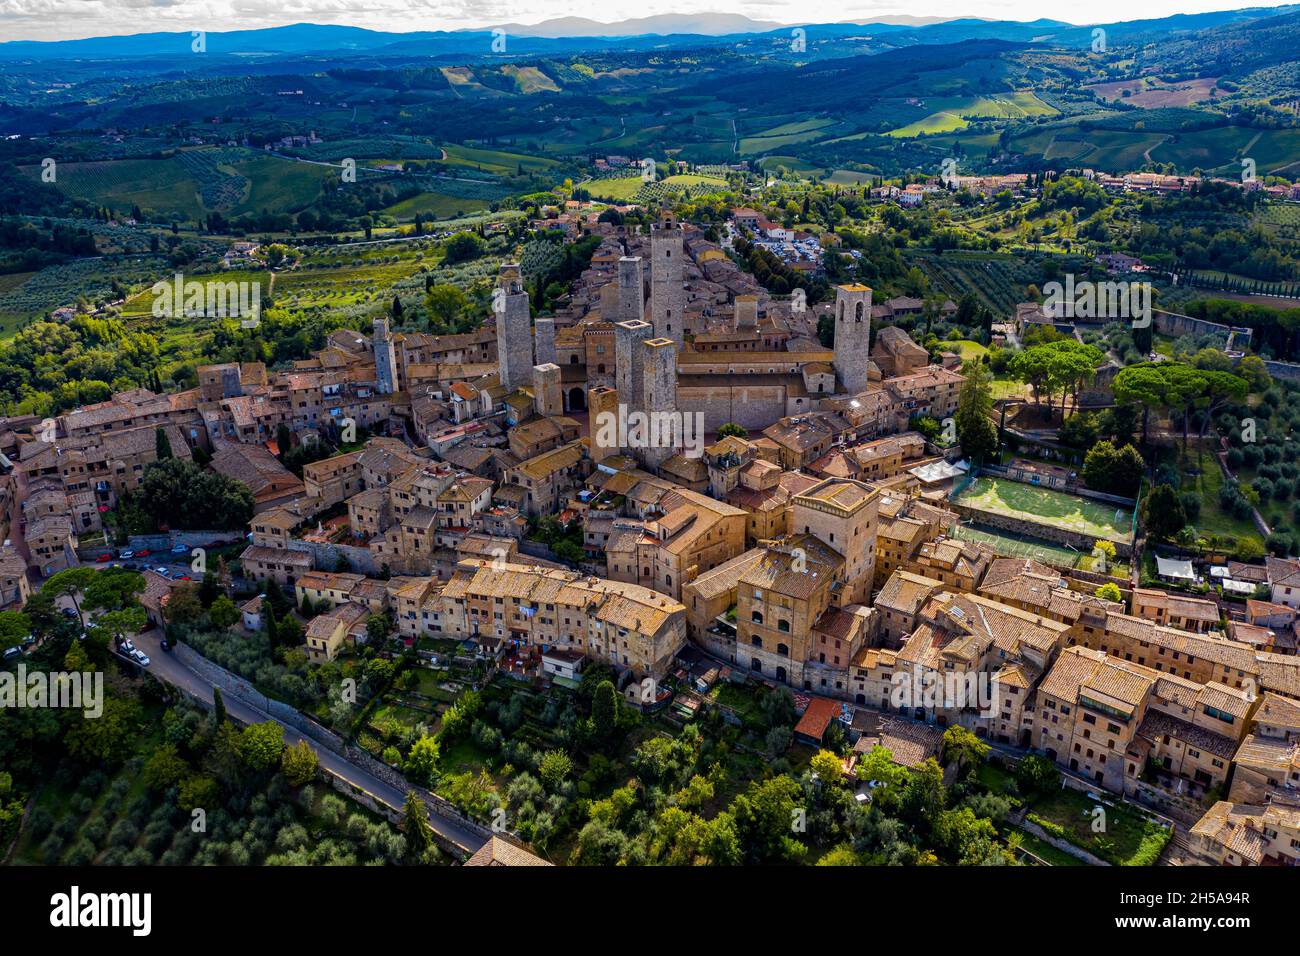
point(619, 190)
point(435, 204)
point(1219, 148)
point(787, 134)
point(847, 177)
point(954, 114)
point(793, 163)
point(193, 182)
point(1043, 506)
point(495, 160)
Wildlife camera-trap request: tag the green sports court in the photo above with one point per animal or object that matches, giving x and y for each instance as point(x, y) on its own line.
point(1043, 506)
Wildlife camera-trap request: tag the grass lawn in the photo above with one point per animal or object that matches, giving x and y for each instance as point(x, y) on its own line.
point(994, 778)
point(1007, 388)
point(1128, 839)
point(744, 701)
point(1046, 852)
point(1053, 508)
point(463, 756)
point(1213, 519)
point(966, 348)
point(426, 683)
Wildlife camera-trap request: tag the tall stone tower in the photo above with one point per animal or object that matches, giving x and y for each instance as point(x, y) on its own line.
point(629, 360)
point(548, 396)
point(844, 514)
point(667, 278)
point(747, 313)
point(514, 329)
point(601, 400)
point(660, 394)
point(631, 289)
point(544, 339)
point(385, 359)
point(852, 336)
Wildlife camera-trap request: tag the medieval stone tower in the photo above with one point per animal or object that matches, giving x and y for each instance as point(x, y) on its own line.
point(629, 361)
point(660, 393)
point(667, 279)
point(631, 289)
point(746, 313)
point(601, 401)
point(852, 336)
point(844, 513)
point(544, 341)
point(385, 359)
point(514, 329)
point(548, 398)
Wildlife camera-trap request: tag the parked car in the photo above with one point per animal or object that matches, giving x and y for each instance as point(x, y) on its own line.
point(181, 549)
point(182, 577)
point(127, 646)
point(12, 652)
point(68, 612)
point(141, 658)
point(103, 558)
point(125, 555)
point(164, 571)
point(142, 553)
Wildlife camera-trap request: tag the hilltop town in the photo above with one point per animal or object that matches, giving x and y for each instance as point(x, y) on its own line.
point(671, 491)
point(840, 444)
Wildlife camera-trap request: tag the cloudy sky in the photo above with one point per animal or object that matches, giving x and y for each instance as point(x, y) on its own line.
point(67, 19)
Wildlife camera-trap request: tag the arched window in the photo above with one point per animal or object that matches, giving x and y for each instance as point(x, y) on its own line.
point(783, 650)
point(668, 580)
point(756, 641)
point(783, 627)
point(858, 311)
point(756, 617)
point(841, 310)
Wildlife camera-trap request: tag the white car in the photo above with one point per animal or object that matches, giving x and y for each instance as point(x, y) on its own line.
point(140, 658)
point(128, 647)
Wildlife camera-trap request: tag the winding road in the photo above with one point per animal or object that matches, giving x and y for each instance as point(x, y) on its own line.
point(167, 668)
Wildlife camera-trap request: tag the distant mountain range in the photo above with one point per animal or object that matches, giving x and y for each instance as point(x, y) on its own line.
point(577, 34)
point(700, 24)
